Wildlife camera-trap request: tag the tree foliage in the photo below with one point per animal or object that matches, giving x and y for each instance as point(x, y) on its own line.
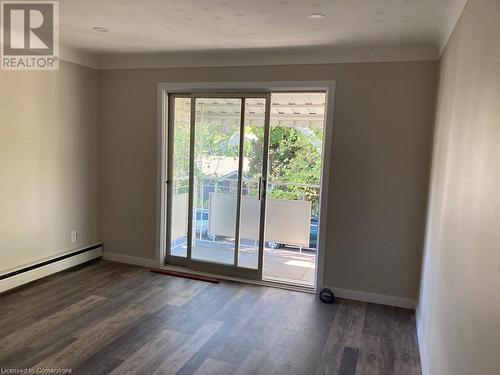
point(294, 169)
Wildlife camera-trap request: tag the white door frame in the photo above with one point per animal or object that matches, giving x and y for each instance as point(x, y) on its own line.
point(165, 88)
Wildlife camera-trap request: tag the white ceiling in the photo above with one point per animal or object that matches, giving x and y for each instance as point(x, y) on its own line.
point(399, 29)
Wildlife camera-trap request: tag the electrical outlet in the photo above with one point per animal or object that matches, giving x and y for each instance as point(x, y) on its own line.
point(74, 236)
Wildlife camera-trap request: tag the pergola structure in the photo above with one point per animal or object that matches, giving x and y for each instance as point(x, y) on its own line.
point(300, 110)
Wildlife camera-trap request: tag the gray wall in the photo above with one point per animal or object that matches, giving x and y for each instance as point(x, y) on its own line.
point(382, 139)
point(48, 162)
point(459, 311)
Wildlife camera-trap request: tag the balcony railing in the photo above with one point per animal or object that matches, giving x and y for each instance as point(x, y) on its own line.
point(276, 190)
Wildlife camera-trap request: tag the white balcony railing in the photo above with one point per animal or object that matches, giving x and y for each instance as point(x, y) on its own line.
point(212, 206)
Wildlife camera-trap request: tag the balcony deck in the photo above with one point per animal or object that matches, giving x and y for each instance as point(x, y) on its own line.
point(285, 265)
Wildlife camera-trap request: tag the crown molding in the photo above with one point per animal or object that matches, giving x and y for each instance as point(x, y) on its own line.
point(251, 57)
point(454, 19)
point(79, 56)
point(274, 56)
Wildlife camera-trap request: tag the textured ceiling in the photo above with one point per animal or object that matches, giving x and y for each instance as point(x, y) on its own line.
point(152, 26)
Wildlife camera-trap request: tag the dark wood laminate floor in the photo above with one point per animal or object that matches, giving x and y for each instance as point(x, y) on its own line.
point(106, 317)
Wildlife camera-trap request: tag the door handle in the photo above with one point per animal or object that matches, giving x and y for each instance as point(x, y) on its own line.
point(262, 188)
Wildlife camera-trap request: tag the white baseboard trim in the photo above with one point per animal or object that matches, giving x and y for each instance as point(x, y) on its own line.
point(423, 353)
point(48, 269)
point(380, 299)
point(128, 259)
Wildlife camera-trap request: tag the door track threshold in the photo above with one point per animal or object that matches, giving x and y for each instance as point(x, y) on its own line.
point(272, 284)
point(186, 275)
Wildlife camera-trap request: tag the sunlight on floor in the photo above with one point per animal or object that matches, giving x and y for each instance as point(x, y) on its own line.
point(300, 263)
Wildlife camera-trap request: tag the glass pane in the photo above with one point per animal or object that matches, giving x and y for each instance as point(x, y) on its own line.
point(252, 172)
point(293, 190)
point(180, 180)
point(217, 139)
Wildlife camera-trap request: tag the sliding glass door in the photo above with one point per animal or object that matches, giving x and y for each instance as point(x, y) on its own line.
point(217, 163)
point(243, 184)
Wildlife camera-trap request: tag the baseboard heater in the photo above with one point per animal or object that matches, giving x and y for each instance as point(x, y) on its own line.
point(18, 277)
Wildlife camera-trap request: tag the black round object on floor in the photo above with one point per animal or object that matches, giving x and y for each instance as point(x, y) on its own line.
point(326, 296)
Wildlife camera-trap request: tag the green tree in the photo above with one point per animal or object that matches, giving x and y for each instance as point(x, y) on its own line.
point(294, 162)
point(294, 169)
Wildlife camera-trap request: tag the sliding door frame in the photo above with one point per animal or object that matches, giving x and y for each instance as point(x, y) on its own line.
point(206, 265)
point(213, 89)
